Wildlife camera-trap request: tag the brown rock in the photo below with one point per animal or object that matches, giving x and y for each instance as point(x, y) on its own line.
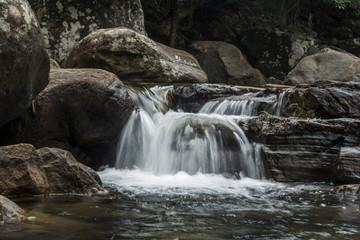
point(21, 171)
point(134, 58)
point(224, 63)
point(26, 171)
point(81, 110)
point(24, 63)
point(66, 175)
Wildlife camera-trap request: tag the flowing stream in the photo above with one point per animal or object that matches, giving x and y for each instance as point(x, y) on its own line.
point(184, 175)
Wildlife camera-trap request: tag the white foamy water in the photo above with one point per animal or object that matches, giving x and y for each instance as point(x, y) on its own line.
point(140, 182)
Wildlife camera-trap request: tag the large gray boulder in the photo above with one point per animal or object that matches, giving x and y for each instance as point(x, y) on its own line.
point(64, 22)
point(224, 63)
point(135, 58)
point(81, 110)
point(326, 64)
point(24, 63)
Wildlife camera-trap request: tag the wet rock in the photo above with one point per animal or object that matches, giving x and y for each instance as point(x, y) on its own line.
point(348, 165)
point(24, 63)
point(224, 63)
point(27, 171)
point(135, 58)
point(324, 100)
point(302, 150)
point(9, 211)
point(81, 110)
point(65, 175)
point(21, 171)
point(327, 64)
point(275, 52)
point(190, 98)
point(65, 22)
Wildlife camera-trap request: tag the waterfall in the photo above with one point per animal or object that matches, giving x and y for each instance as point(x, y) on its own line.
point(164, 141)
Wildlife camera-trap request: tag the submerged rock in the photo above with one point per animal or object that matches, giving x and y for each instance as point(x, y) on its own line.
point(135, 58)
point(24, 63)
point(224, 63)
point(64, 23)
point(9, 211)
point(326, 64)
point(27, 171)
point(81, 110)
point(323, 100)
point(305, 150)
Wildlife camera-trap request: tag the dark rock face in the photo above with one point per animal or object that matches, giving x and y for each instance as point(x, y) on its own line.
point(351, 45)
point(9, 211)
point(27, 171)
point(224, 63)
point(304, 150)
point(327, 64)
point(135, 58)
point(66, 22)
point(348, 164)
point(24, 63)
point(275, 52)
point(190, 98)
point(81, 110)
point(323, 100)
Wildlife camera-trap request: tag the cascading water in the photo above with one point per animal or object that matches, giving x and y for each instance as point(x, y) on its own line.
point(168, 143)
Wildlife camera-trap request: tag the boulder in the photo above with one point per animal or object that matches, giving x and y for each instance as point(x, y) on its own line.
point(327, 64)
point(9, 211)
point(81, 110)
point(274, 51)
point(64, 22)
point(135, 58)
point(27, 171)
point(348, 165)
point(66, 175)
point(190, 98)
point(21, 171)
point(224, 63)
point(304, 150)
point(323, 99)
point(24, 63)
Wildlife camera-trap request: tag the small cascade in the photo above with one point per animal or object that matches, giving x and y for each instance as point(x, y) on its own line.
point(166, 143)
point(250, 104)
